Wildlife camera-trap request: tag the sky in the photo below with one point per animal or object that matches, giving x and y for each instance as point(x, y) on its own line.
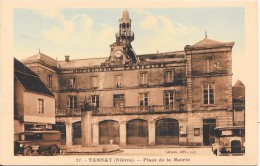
point(87, 33)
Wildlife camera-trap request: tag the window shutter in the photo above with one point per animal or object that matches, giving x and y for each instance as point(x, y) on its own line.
point(175, 98)
point(164, 97)
point(173, 75)
point(76, 102)
point(165, 73)
point(68, 102)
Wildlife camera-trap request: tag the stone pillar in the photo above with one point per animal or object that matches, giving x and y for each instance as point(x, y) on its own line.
point(95, 128)
point(69, 134)
point(122, 133)
point(86, 128)
point(183, 132)
point(151, 131)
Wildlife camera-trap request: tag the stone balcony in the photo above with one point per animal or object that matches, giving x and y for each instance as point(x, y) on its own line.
point(134, 110)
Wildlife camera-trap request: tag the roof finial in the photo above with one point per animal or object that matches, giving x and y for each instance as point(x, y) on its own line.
point(206, 34)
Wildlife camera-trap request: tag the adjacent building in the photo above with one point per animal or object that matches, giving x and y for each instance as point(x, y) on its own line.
point(238, 92)
point(171, 98)
point(34, 103)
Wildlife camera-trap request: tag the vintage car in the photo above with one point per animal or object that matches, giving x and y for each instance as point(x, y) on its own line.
point(38, 141)
point(229, 140)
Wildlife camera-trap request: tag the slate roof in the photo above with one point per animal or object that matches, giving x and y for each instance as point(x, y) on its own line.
point(40, 57)
point(207, 41)
point(238, 84)
point(30, 80)
point(163, 57)
point(75, 63)
point(95, 62)
point(125, 15)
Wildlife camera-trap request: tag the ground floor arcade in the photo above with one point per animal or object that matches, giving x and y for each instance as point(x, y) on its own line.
point(142, 130)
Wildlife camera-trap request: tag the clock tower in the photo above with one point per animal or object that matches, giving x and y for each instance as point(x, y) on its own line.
point(122, 52)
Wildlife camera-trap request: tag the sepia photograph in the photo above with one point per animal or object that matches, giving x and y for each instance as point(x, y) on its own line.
point(113, 85)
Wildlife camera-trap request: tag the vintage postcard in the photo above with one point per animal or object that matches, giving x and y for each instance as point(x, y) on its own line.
point(129, 83)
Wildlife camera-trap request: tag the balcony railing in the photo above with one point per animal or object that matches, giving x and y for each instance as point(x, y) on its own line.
point(122, 110)
point(67, 112)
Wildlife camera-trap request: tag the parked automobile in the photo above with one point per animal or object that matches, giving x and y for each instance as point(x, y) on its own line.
point(38, 140)
point(229, 140)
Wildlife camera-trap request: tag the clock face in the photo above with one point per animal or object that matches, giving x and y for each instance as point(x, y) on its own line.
point(118, 53)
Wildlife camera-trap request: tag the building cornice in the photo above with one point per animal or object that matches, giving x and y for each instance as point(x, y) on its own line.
point(173, 86)
point(122, 68)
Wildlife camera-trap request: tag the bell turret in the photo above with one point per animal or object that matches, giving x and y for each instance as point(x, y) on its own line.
point(122, 52)
point(125, 35)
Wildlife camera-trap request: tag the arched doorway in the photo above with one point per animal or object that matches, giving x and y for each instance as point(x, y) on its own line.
point(167, 132)
point(62, 128)
point(76, 133)
point(108, 130)
point(137, 132)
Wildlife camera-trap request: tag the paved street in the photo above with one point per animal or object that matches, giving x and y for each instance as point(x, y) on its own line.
point(154, 151)
point(166, 151)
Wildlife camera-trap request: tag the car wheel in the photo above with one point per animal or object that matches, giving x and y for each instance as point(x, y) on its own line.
point(27, 151)
point(218, 153)
point(53, 150)
point(215, 152)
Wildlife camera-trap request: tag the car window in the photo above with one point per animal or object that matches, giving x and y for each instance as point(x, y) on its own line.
point(226, 132)
point(26, 137)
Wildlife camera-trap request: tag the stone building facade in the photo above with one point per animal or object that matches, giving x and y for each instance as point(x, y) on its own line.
point(172, 98)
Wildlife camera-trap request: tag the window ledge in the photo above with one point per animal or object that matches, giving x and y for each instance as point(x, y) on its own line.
point(143, 85)
point(209, 105)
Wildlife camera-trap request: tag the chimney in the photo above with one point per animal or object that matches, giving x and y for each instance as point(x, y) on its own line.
point(67, 58)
